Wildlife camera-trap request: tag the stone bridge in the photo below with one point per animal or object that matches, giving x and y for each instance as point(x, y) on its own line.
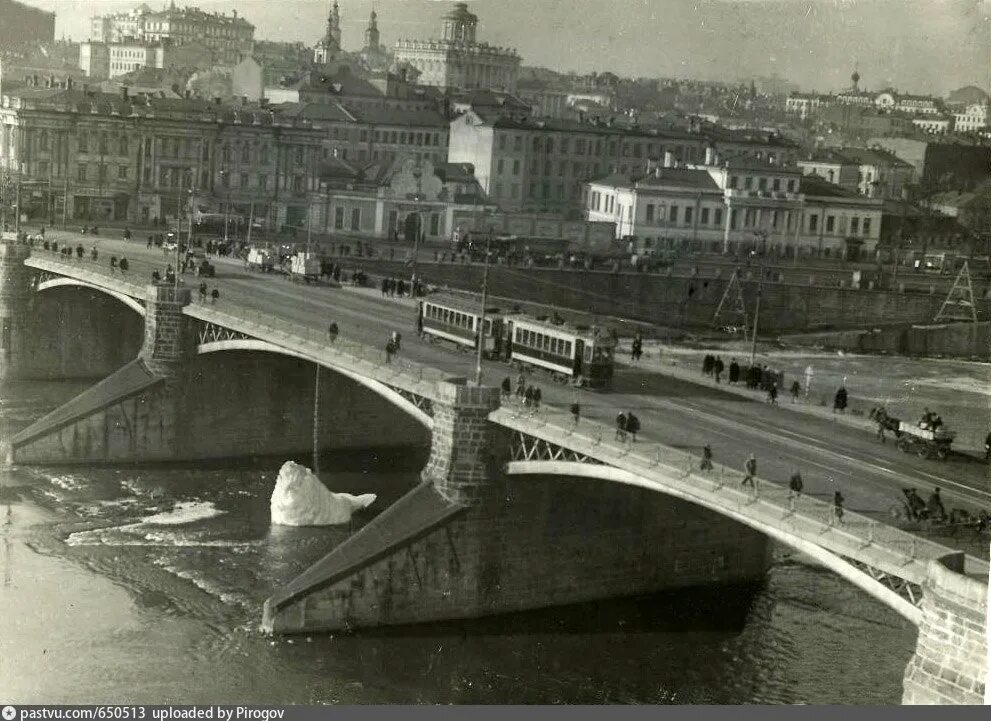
point(514, 511)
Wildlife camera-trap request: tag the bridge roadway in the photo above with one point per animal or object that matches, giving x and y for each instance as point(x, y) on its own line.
point(679, 414)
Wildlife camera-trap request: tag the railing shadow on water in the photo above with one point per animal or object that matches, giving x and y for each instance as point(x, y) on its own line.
point(773, 501)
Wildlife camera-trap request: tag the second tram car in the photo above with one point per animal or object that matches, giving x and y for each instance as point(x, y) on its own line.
point(582, 355)
point(457, 321)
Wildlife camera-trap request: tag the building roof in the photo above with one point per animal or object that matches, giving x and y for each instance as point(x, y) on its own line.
point(663, 177)
point(827, 155)
point(873, 156)
point(818, 187)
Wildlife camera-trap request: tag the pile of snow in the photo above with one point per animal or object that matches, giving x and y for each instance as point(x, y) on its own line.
point(300, 499)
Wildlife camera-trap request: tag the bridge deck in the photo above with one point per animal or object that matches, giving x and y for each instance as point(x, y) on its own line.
point(859, 538)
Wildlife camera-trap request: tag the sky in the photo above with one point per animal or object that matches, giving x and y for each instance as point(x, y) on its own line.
point(912, 45)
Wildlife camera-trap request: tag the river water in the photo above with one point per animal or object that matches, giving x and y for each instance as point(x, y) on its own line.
point(145, 585)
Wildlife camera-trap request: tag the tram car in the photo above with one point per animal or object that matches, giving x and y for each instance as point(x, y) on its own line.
point(575, 354)
point(444, 318)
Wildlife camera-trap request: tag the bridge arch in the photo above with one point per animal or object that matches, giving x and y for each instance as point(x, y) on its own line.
point(391, 395)
point(65, 281)
point(828, 559)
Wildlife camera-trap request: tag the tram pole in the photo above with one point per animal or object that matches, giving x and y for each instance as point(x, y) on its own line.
point(480, 336)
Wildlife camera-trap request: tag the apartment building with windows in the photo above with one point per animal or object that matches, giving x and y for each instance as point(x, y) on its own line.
point(100, 156)
point(734, 207)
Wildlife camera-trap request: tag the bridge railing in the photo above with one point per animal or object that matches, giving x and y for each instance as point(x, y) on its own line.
point(303, 337)
point(85, 270)
point(600, 441)
point(307, 337)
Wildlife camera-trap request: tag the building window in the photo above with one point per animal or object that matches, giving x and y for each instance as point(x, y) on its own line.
point(854, 225)
point(122, 150)
point(791, 186)
point(499, 167)
point(776, 186)
point(673, 217)
point(263, 153)
point(339, 218)
point(688, 215)
point(297, 183)
point(83, 144)
point(650, 213)
point(121, 172)
point(244, 180)
point(813, 223)
point(246, 153)
point(830, 223)
point(734, 182)
point(299, 155)
point(356, 219)
point(263, 182)
point(434, 224)
point(704, 216)
point(762, 183)
point(867, 226)
point(748, 183)
point(717, 218)
point(516, 167)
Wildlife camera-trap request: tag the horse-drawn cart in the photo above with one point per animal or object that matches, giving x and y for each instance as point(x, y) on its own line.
point(926, 442)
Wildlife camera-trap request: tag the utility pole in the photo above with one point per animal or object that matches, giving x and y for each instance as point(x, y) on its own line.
point(316, 423)
point(178, 232)
point(418, 174)
point(251, 220)
point(760, 292)
point(481, 320)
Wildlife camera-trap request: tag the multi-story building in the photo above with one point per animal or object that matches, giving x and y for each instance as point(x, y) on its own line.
point(734, 207)
point(24, 24)
point(457, 59)
point(231, 37)
point(370, 134)
point(110, 60)
point(540, 165)
point(396, 201)
point(804, 105)
point(378, 89)
point(103, 157)
point(973, 117)
point(873, 172)
point(909, 104)
point(934, 124)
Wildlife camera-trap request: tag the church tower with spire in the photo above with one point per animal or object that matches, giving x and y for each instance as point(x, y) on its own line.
point(328, 49)
point(372, 34)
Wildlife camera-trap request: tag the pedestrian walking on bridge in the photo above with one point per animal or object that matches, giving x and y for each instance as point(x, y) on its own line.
point(202, 290)
point(123, 265)
point(332, 332)
point(706, 464)
point(576, 411)
point(113, 263)
point(632, 426)
point(390, 349)
point(796, 389)
point(536, 399)
point(838, 506)
point(93, 254)
point(520, 386)
point(621, 427)
point(795, 485)
point(507, 388)
point(214, 295)
point(717, 368)
point(750, 471)
point(839, 400)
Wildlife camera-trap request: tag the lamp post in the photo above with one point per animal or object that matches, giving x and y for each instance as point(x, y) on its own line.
point(224, 181)
point(760, 292)
point(481, 319)
point(418, 175)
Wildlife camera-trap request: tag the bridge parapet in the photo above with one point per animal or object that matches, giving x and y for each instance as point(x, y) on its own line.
point(415, 380)
point(14, 295)
point(883, 560)
point(88, 272)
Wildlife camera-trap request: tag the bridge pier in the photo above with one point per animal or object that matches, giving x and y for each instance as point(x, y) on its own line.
point(471, 541)
point(15, 300)
point(133, 415)
point(950, 661)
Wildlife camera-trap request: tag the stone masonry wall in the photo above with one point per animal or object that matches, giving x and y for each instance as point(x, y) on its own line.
point(538, 542)
point(950, 661)
point(14, 295)
point(461, 447)
point(678, 301)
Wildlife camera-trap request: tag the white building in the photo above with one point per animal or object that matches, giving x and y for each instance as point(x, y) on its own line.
point(458, 60)
point(803, 105)
point(934, 124)
point(109, 60)
point(973, 117)
point(734, 207)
